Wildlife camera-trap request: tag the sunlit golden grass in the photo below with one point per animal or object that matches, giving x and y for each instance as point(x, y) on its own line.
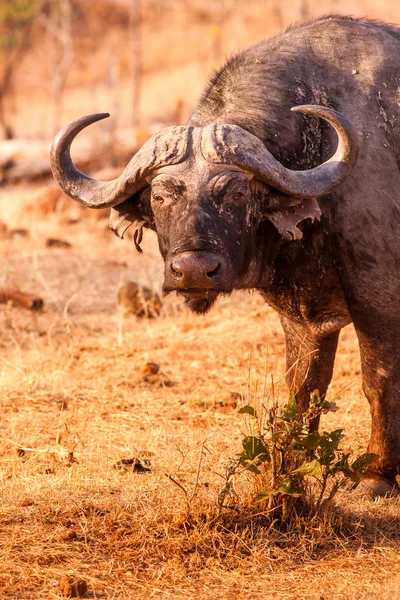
point(76, 398)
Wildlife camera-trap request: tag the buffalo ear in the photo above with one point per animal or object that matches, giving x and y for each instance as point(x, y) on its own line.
point(286, 219)
point(135, 211)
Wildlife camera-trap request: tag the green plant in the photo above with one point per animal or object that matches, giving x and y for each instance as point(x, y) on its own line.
point(296, 467)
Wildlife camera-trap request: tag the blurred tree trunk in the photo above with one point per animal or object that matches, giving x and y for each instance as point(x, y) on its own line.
point(114, 79)
point(276, 9)
point(5, 89)
point(217, 11)
point(61, 54)
point(304, 10)
point(16, 21)
point(137, 67)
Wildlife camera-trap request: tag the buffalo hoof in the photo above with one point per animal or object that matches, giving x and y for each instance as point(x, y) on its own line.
point(378, 487)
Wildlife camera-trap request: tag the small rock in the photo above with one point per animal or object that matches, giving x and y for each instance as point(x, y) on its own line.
point(71, 459)
point(151, 368)
point(71, 587)
point(27, 502)
point(56, 243)
point(230, 401)
point(3, 231)
point(133, 465)
point(154, 376)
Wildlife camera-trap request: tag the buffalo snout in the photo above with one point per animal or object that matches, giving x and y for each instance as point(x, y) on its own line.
point(196, 271)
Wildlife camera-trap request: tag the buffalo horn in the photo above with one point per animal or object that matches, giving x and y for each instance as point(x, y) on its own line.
point(230, 144)
point(167, 147)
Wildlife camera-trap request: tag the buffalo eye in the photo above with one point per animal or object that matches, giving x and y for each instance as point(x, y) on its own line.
point(237, 196)
point(159, 199)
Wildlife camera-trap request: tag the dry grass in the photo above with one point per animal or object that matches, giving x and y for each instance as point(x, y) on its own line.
point(76, 398)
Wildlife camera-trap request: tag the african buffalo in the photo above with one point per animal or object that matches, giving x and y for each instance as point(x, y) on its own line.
point(250, 195)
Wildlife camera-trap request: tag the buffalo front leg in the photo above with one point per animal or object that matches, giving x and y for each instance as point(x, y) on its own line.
point(309, 362)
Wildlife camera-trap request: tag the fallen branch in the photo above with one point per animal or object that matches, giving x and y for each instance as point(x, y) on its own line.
point(29, 301)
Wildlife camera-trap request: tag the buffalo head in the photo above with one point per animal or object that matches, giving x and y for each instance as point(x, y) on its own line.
point(205, 190)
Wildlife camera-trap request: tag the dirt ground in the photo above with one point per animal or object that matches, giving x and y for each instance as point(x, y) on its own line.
point(77, 397)
point(79, 394)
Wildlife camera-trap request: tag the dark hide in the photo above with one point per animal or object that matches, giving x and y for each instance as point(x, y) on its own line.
point(346, 268)
point(321, 264)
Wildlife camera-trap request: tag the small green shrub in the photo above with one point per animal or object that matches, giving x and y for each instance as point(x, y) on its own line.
point(297, 470)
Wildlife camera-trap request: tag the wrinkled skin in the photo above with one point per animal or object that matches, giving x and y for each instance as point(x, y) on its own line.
point(206, 209)
point(346, 268)
point(219, 228)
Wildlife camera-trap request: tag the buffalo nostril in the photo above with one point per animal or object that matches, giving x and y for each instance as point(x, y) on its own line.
point(176, 270)
point(212, 270)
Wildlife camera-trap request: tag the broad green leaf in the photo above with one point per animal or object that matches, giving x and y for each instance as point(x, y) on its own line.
point(339, 465)
point(309, 468)
point(363, 461)
point(293, 490)
point(253, 447)
point(343, 460)
point(331, 440)
point(289, 412)
point(310, 441)
point(267, 493)
point(286, 488)
point(248, 410)
point(336, 436)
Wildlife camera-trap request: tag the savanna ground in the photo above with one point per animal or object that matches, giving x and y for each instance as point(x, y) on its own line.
point(77, 397)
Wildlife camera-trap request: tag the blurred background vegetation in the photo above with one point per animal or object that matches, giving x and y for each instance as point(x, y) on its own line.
point(145, 61)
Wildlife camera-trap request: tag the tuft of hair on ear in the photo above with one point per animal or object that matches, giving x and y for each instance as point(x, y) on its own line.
point(138, 236)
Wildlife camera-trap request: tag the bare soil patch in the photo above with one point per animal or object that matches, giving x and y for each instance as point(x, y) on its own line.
point(85, 387)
